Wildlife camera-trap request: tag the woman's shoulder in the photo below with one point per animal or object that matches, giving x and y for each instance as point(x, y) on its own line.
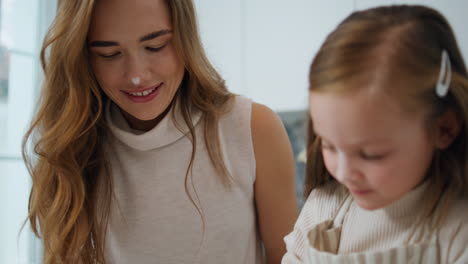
point(243, 109)
point(238, 104)
point(236, 114)
point(258, 120)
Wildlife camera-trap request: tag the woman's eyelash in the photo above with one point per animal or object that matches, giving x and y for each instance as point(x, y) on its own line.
point(155, 49)
point(109, 56)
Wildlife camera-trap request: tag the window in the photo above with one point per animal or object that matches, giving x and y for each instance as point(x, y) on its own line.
point(22, 27)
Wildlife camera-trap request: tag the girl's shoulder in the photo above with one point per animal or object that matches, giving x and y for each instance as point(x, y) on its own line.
point(332, 191)
point(456, 217)
point(453, 234)
point(321, 205)
point(323, 202)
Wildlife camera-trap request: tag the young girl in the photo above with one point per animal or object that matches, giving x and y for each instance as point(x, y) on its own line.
point(387, 163)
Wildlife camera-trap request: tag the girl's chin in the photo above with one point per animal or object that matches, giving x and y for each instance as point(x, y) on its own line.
point(369, 203)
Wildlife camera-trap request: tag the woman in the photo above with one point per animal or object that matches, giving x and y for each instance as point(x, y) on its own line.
point(143, 154)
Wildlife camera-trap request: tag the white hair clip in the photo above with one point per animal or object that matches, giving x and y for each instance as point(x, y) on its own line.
point(136, 80)
point(443, 84)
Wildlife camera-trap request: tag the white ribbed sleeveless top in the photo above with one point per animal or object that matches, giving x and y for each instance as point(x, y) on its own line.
point(154, 220)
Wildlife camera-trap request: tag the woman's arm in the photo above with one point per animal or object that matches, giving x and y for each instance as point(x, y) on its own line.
point(274, 186)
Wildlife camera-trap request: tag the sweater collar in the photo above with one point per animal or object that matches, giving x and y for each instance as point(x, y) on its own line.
point(170, 129)
point(407, 206)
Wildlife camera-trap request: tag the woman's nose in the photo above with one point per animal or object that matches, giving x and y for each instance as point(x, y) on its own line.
point(137, 70)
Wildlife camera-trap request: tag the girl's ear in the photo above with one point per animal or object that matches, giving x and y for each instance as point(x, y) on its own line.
point(447, 128)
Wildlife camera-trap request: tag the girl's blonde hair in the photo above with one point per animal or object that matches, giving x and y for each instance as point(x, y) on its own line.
point(68, 131)
point(397, 50)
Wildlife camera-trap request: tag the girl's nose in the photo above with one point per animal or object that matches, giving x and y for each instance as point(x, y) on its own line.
point(344, 169)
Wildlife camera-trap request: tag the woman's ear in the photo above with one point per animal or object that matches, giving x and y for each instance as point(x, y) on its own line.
point(447, 128)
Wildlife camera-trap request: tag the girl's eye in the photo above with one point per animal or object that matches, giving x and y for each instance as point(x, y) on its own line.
point(327, 147)
point(367, 156)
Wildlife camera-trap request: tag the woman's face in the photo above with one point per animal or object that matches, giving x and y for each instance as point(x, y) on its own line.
point(133, 58)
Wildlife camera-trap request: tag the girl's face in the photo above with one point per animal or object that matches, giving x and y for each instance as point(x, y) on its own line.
point(134, 59)
point(371, 146)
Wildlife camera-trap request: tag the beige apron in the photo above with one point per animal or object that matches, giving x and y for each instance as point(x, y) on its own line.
point(324, 241)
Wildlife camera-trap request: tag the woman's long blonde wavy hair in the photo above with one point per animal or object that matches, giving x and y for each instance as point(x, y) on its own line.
point(66, 160)
point(397, 49)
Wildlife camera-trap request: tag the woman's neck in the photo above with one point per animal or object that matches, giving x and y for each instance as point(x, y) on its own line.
point(144, 125)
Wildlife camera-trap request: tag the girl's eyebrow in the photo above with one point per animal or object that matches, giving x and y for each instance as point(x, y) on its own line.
point(150, 36)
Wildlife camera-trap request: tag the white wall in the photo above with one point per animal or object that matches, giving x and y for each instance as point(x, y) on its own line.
point(221, 27)
point(280, 40)
point(263, 48)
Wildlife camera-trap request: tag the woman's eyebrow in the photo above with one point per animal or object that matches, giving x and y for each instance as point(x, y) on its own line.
point(155, 34)
point(150, 36)
point(99, 43)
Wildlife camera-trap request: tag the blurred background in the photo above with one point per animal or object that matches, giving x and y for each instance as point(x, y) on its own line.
point(263, 48)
